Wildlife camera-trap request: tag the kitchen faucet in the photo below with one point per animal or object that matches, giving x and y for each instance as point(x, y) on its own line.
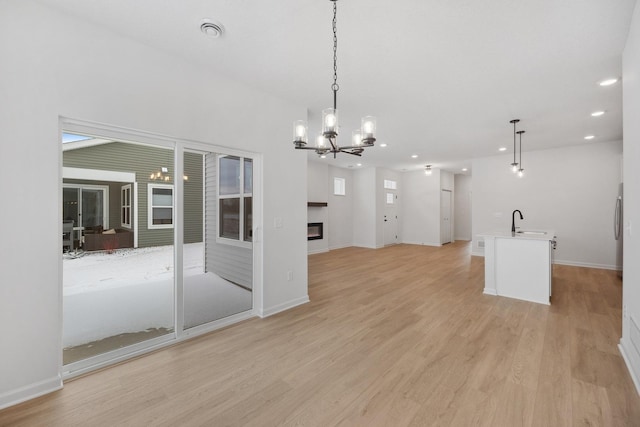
point(513, 219)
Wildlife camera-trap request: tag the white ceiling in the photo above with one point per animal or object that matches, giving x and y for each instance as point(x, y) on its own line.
point(443, 77)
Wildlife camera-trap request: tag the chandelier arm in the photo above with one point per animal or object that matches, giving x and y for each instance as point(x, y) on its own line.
point(334, 145)
point(342, 150)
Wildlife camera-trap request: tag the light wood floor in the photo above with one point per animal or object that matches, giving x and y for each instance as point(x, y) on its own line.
point(393, 337)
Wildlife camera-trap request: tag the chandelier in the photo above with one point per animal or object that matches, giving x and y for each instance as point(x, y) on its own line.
point(327, 142)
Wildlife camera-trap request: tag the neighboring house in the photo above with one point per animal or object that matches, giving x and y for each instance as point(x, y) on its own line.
point(128, 188)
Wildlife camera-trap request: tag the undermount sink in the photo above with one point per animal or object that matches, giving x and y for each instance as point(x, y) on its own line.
point(531, 232)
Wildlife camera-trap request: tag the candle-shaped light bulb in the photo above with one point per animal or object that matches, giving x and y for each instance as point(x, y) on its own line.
point(330, 122)
point(300, 131)
point(356, 138)
point(368, 128)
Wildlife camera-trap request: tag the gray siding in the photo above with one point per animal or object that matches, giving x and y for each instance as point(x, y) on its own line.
point(143, 161)
point(229, 262)
point(193, 209)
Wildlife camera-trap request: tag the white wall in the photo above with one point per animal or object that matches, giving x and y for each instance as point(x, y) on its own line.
point(72, 68)
point(364, 208)
point(462, 203)
point(421, 208)
point(317, 191)
point(341, 217)
point(630, 342)
point(571, 190)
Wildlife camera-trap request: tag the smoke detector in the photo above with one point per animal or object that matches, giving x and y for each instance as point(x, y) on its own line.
point(211, 29)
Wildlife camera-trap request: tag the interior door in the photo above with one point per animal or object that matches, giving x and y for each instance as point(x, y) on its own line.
point(390, 230)
point(445, 217)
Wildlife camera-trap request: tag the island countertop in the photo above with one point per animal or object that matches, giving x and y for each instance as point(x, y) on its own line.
point(524, 234)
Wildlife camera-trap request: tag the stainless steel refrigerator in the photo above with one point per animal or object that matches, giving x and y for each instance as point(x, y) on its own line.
point(617, 228)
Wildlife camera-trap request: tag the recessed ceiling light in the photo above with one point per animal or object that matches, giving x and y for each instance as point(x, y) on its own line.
point(502, 149)
point(414, 156)
point(608, 82)
point(464, 169)
point(359, 164)
point(597, 113)
point(589, 137)
point(383, 145)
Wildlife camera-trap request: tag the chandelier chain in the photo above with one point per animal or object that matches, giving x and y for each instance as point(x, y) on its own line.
point(335, 85)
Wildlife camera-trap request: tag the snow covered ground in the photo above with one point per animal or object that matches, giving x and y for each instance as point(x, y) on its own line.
point(132, 290)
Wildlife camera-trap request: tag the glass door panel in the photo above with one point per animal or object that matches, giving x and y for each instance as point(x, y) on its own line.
point(218, 258)
point(117, 297)
point(70, 212)
point(93, 209)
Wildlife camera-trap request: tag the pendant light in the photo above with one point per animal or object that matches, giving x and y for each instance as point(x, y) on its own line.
point(427, 170)
point(326, 142)
point(520, 170)
point(514, 165)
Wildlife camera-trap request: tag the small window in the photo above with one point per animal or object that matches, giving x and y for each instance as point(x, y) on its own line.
point(235, 190)
point(390, 185)
point(125, 206)
point(390, 198)
point(160, 206)
point(339, 186)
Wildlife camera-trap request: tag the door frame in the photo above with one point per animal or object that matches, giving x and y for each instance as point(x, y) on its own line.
point(179, 146)
point(450, 194)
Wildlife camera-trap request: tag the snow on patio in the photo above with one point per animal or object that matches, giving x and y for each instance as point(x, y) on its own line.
point(131, 290)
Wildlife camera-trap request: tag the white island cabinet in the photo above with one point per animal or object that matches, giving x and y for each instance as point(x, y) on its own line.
point(518, 265)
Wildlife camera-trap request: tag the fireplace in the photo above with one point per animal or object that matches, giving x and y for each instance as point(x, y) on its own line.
point(314, 231)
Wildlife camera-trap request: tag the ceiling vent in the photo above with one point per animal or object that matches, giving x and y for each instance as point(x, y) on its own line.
point(211, 29)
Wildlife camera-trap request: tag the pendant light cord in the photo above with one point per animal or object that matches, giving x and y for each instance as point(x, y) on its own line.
point(334, 86)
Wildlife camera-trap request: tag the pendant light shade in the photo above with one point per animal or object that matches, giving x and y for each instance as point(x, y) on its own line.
point(520, 169)
point(514, 165)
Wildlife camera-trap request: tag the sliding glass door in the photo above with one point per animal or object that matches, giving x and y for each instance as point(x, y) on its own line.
point(163, 244)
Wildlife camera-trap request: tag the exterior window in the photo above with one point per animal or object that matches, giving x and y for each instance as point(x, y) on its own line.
point(389, 198)
point(125, 206)
point(160, 206)
point(339, 186)
point(235, 190)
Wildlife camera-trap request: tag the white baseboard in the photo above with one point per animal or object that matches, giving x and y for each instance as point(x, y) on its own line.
point(466, 238)
point(284, 306)
point(333, 248)
point(477, 253)
point(30, 391)
point(317, 251)
point(586, 264)
point(627, 361)
point(361, 245)
point(410, 242)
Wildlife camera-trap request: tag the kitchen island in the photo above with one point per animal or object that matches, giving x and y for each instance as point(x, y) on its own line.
point(519, 265)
